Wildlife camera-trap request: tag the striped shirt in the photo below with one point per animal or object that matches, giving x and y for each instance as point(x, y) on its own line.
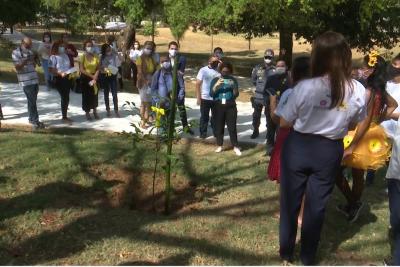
point(27, 75)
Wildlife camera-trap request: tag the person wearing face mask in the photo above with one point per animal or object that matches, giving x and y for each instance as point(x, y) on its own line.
point(59, 67)
point(146, 67)
point(108, 77)
point(89, 66)
point(259, 77)
point(72, 53)
point(70, 49)
point(96, 47)
point(114, 47)
point(224, 91)
point(173, 50)
point(24, 62)
point(219, 53)
point(161, 85)
point(44, 52)
point(134, 53)
point(204, 100)
point(274, 87)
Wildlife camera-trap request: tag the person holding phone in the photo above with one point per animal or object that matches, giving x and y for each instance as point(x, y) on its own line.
point(224, 90)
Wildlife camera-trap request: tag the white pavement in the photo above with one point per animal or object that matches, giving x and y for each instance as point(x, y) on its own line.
point(14, 104)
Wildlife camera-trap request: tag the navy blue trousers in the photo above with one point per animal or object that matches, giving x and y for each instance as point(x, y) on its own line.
point(394, 207)
point(309, 166)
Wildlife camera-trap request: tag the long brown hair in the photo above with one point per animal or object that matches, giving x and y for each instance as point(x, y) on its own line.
point(331, 55)
point(55, 46)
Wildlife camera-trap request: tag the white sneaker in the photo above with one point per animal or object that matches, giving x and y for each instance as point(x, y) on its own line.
point(237, 151)
point(219, 149)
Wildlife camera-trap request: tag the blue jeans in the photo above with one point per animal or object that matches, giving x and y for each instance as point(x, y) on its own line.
point(109, 83)
point(394, 207)
point(31, 92)
point(47, 74)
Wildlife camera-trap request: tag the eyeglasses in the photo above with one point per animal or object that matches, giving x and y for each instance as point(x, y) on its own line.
point(267, 57)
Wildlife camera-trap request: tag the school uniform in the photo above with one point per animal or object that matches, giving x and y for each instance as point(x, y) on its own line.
point(311, 157)
point(393, 184)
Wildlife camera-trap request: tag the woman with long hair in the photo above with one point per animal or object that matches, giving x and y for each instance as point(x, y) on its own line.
point(89, 66)
point(320, 110)
point(44, 52)
point(59, 67)
point(146, 67)
point(108, 77)
point(367, 148)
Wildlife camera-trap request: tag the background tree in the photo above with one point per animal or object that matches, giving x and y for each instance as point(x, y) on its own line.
point(364, 23)
point(13, 12)
point(178, 16)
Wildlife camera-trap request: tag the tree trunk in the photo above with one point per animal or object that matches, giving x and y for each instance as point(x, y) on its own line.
point(212, 43)
point(249, 40)
point(286, 45)
point(11, 29)
point(153, 26)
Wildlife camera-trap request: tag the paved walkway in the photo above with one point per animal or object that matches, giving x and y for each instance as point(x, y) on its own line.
point(14, 105)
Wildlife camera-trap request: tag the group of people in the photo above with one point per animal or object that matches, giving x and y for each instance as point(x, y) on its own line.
point(322, 115)
point(98, 69)
point(329, 117)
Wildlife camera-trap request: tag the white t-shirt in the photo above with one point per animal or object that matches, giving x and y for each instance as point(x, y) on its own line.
point(308, 108)
point(390, 125)
point(206, 75)
point(26, 75)
point(393, 171)
point(134, 54)
point(283, 101)
point(60, 62)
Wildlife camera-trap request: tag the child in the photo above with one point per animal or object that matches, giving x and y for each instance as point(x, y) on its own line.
point(367, 147)
point(393, 184)
point(300, 71)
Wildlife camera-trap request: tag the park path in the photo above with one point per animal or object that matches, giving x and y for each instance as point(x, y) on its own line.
point(14, 105)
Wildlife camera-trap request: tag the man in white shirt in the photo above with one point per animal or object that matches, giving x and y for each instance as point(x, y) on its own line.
point(206, 102)
point(24, 62)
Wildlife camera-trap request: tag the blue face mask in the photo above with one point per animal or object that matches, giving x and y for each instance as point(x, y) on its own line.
point(61, 50)
point(166, 65)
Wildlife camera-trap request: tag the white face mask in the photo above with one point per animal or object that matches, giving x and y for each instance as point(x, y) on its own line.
point(267, 61)
point(280, 70)
point(147, 51)
point(136, 46)
point(89, 49)
point(46, 39)
point(166, 65)
point(172, 52)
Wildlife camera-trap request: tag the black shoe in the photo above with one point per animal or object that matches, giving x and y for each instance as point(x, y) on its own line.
point(344, 209)
point(41, 125)
point(255, 135)
point(203, 136)
point(354, 212)
point(388, 262)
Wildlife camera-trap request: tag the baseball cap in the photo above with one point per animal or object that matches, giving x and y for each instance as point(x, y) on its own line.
point(269, 53)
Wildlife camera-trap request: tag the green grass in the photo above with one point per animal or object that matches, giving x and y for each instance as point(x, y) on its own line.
point(82, 197)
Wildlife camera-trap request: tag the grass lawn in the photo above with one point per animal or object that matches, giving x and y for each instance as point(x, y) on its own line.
point(83, 197)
